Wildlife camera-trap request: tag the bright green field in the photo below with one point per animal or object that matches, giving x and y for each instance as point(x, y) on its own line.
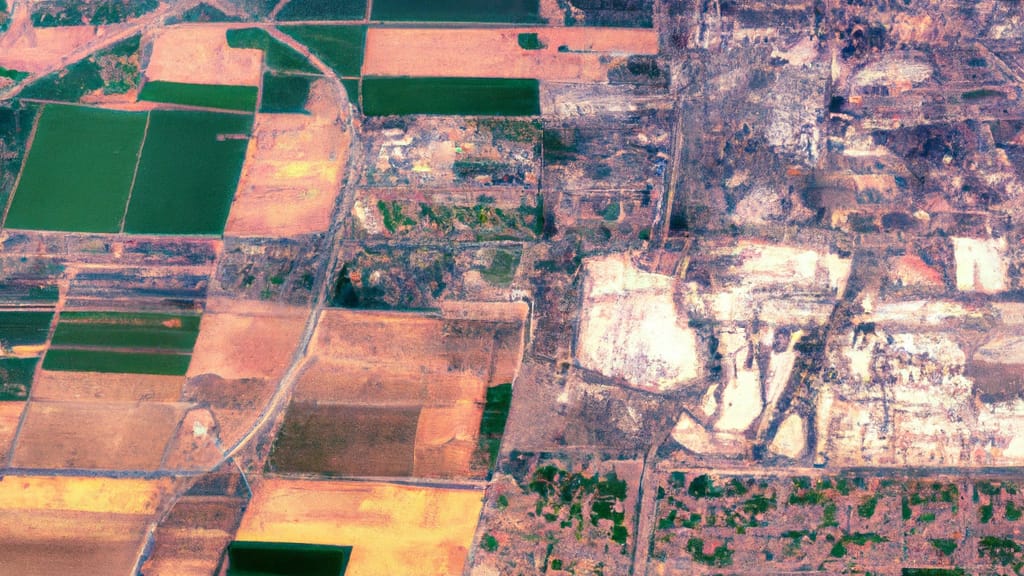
point(188, 172)
point(79, 170)
point(202, 95)
point(124, 362)
point(279, 57)
point(127, 330)
point(340, 47)
point(458, 96)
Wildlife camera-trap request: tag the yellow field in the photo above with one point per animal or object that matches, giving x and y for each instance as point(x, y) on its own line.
point(118, 496)
point(393, 530)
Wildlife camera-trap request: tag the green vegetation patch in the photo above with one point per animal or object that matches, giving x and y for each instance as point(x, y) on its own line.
point(492, 424)
point(489, 543)
point(982, 94)
point(529, 41)
point(284, 93)
point(127, 330)
point(503, 267)
point(323, 10)
point(1002, 551)
point(512, 11)
point(384, 96)
point(564, 497)
point(340, 47)
point(286, 559)
point(944, 545)
point(720, 557)
point(112, 71)
point(188, 172)
point(122, 362)
point(866, 509)
point(279, 57)
point(202, 12)
point(79, 170)
point(241, 98)
point(52, 13)
point(24, 328)
point(16, 378)
point(16, 75)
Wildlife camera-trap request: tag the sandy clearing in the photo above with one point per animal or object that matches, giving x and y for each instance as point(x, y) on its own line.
point(37, 49)
point(495, 52)
point(326, 380)
point(100, 495)
point(292, 175)
point(254, 342)
point(95, 435)
point(52, 385)
point(446, 441)
point(10, 414)
point(392, 529)
point(201, 55)
point(409, 342)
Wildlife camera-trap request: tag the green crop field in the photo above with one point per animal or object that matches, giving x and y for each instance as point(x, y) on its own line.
point(16, 378)
point(279, 57)
point(79, 170)
point(124, 362)
point(323, 10)
point(22, 328)
point(127, 330)
point(283, 93)
point(202, 95)
point(512, 11)
point(340, 47)
point(463, 96)
point(188, 172)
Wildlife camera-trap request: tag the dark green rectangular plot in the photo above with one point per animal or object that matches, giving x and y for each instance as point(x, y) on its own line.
point(117, 362)
point(79, 170)
point(451, 96)
point(127, 330)
point(286, 559)
point(241, 98)
point(16, 378)
point(340, 47)
point(24, 328)
point(511, 11)
point(188, 172)
point(323, 10)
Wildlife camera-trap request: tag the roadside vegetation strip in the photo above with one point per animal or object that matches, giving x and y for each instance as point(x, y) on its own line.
point(385, 96)
point(323, 10)
point(127, 330)
point(117, 362)
point(188, 172)
point(242, 98)
point(79, 170)
point(24, 328)
point(340, 47)
point(511, 11)
point(277, 56)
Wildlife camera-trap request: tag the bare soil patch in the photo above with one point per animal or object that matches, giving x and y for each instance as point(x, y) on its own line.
point(201, 55)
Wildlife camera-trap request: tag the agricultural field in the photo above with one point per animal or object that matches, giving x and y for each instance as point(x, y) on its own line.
point(279, 57)
point(511, 11)
point(340, 47)
point(78, 175)
point(203, 55)
point(110, 74)
point(241, 98)
point(16, 376)
point(384, 96)
point(51, 13)
point(187, 172)
point(323, 10)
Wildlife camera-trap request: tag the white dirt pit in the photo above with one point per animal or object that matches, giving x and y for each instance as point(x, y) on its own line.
point(631, 329)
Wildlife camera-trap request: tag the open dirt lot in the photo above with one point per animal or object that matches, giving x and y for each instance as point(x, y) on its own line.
point(291, 177)
point(95, 435)
point(10, 414)
point(201, 55)
point(109, 387)
point(393, 530)
point(413, 342)
point(496, 52)
point(246, 339)
point(37, 49)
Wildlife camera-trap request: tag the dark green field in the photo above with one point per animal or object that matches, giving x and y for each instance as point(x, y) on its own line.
point(279, 57)
point(127, 330)
point(21, 328)
point(323, 10)
point(340, 47)
point(202, 95)
point(126, 362)
point(284, 93)
point(188, 172)
point(459, 96)
point(269, 558)
point(16, 378)
point(79, 170)
point(513, 11)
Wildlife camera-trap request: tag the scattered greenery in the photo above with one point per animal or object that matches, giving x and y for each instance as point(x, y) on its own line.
point(719, 558)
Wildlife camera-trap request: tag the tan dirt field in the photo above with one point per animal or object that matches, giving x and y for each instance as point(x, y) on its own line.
point(36, 49)
point(327, 380)
point(410, 342)
point(10, 415)
point(495, 52)
point(96, 435)
point(291, 177)
point(189, 541)
point(446, 440)
point(393, 530)
point(104, 387)
point(247, 340)
point(201, 55)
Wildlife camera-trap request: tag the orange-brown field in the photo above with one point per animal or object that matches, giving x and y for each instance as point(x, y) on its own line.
point(393, 530)
point(72, 386)
point(247, 339)
point(293, 171)
point(38, 49)
point(201, 55)
point(10, 414)
point(410, 342)
point(95, 435)
point(495, 52)
point(90, 526)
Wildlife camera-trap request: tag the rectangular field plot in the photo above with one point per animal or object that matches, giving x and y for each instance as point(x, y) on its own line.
point(127, 330)
point(323, 10)
point(16, 378)
point(460, 96)
point(188, 172)
point(514, 11)
point(24, 328)
point(340, 47)
point(110, 361)
point(79, 170)
point(201, 95)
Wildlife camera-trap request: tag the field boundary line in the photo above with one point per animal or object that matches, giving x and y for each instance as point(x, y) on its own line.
point(21, 169)
point(135, 173)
